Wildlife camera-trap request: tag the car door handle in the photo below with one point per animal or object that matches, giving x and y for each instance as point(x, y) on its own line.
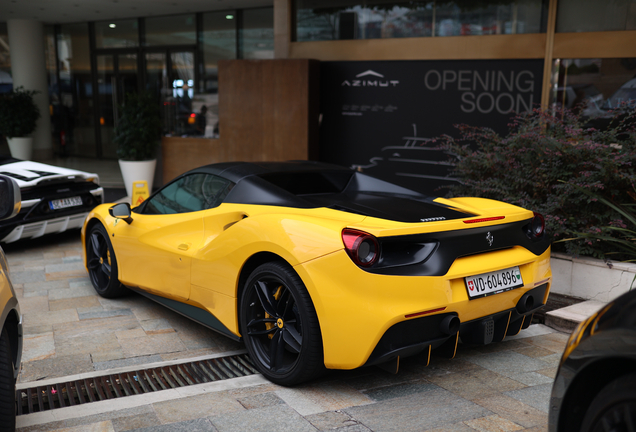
point(184, 246)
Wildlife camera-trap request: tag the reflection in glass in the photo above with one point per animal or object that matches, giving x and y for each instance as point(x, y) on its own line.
point(157, 83)
point(219, 42)
point(171, 30)
point(6, 82)
point(73, 118)
point(595, 15)
point(257, 37)
point(182, 78)
point(51, 76)
point(106, 83)
point(191, 193)
point(117, 34)
point(171, 78)
point(593, 87)
point(116, 76)
point(513, 18)
point(320, 20)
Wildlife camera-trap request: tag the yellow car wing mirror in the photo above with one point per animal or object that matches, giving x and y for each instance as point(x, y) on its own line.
point(121, 211)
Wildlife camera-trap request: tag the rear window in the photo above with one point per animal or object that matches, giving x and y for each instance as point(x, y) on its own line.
point(310, 183)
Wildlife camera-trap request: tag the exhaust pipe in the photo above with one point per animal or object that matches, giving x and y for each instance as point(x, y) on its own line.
point(526, 303)
point(449, 325)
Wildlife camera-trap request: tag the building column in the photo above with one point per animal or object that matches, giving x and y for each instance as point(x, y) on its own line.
point(28, 69)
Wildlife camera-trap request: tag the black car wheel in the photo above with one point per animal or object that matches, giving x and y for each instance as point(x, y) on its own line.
point(614, 408)
point(102, 264)
point(279, 325)
point(7, 385)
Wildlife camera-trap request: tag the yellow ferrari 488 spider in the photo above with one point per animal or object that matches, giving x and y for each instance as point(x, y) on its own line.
point(316, 266)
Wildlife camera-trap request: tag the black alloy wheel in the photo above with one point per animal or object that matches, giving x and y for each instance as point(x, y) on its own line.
point(7, 385)
point(102, 264)
point(614, 408)
point(279, 325)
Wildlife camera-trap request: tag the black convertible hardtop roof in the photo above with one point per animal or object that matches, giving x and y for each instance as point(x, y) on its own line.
point(235, 171)
point(308, 184)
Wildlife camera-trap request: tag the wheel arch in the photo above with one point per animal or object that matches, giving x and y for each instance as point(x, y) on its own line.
point(91, 223)
point(92, 220)
point(587, 384)
point(254, 262)
point(12, 325)
point(249, 266)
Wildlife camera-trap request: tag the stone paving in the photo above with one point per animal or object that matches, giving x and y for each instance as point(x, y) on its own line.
point(70, 330)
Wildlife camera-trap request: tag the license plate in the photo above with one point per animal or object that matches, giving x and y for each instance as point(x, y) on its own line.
point(496, 282)
point(65, 203)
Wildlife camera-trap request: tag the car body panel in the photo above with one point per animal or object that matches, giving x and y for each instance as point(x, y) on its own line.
point(601, 349)
point(355, 306)
point(29, 173)
point(162, 247)
point(10, 313)
point(10, 316)
point(366, 304)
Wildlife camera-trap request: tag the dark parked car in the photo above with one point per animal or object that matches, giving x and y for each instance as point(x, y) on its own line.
point(10, 318)
point(595, 386)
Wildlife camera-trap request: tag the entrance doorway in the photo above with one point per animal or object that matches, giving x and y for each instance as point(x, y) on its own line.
point(117, 74)
point(170, 75)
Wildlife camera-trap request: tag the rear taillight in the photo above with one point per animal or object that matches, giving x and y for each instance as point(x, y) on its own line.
point(537, 226)
point(362, 247)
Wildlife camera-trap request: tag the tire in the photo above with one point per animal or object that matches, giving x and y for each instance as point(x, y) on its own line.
point(279, 325)
point(7, 385)
point(102, 264)
point(614, 408)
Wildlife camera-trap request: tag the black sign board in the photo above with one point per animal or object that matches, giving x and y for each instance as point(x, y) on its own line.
point(379, 116)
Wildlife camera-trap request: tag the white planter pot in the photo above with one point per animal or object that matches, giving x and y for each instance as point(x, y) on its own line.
point(133, 171)
point(21, 147)
point(590, 278)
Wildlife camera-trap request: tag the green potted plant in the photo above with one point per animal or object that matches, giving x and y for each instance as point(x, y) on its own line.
point(18, 119)
point(137, 135)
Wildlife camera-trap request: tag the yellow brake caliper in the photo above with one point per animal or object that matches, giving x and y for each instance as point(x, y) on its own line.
point(268, 325)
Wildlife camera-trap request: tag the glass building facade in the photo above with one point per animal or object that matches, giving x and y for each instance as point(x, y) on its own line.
point(92, 66)
point(334, 19)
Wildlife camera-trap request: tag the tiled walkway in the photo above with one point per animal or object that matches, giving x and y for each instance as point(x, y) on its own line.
point(69, 330)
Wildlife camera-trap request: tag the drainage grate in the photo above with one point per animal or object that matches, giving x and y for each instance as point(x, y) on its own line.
point(117, 385)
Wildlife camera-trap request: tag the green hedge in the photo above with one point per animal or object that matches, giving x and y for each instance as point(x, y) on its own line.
point(547, 163)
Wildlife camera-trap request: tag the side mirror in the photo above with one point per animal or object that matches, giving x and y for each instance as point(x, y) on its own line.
point(121, 211)
point(10, 197)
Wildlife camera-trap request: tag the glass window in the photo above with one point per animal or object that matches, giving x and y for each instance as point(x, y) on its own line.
point(191, 193)
point(117, 34)
point(524, 16)
point(335, 19)
point(593, 87)
point(6, 82)
point(171, 30)
point(218, 42)
point(74, 120)
point(257, 36)
point(595, 15)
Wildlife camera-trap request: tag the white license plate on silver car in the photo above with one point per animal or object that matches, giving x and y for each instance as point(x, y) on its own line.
point(65, 203)
point(486, 284)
